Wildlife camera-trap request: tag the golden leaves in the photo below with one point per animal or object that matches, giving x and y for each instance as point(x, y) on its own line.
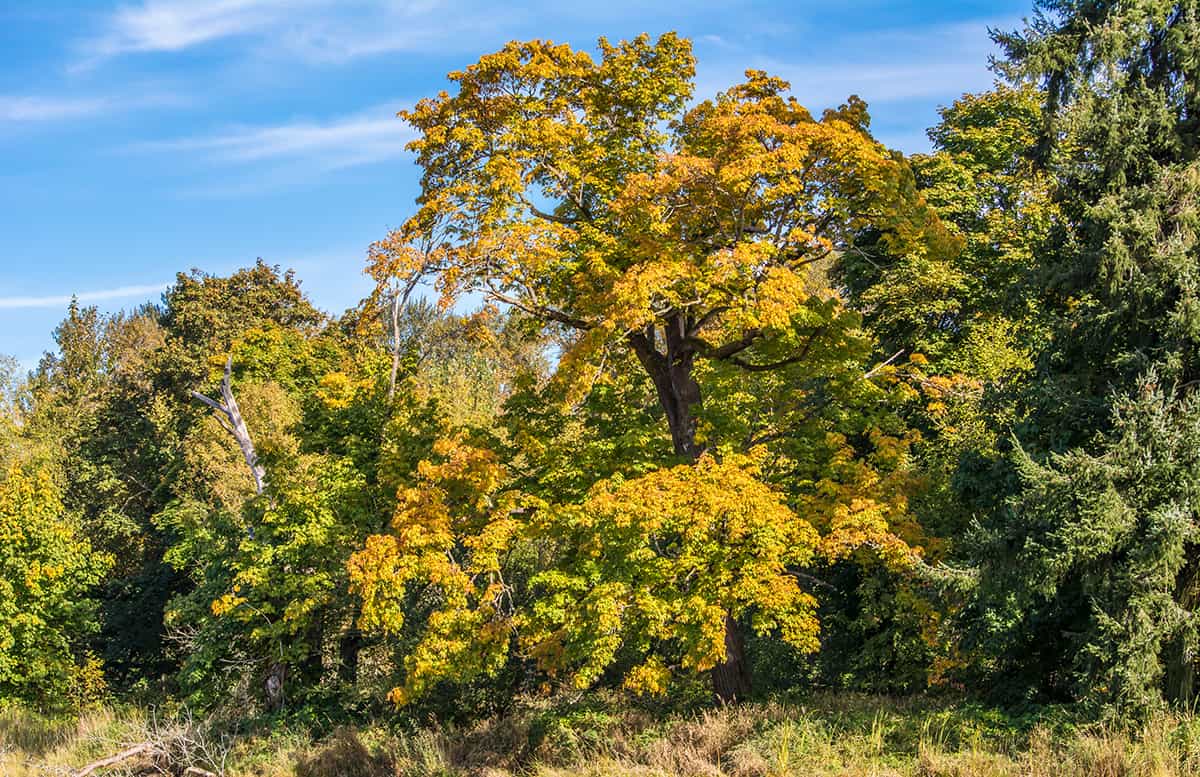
point(584, 193)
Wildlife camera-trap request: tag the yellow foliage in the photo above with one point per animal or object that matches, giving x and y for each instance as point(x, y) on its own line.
point(586, 194)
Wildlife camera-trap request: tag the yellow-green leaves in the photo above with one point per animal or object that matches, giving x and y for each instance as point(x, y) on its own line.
point(585, 194)
point(449, 532)
point(47, 570)
point(656, 564)
point(652, 566)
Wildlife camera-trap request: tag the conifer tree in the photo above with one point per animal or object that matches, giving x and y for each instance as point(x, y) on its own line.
point(1088, 572)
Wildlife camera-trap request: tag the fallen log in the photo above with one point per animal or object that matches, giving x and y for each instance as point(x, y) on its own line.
point(144, 748)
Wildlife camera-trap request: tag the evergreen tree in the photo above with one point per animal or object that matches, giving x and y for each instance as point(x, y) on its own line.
point(1087, 572)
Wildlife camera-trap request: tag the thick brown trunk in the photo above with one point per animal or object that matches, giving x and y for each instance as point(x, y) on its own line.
point(678, 392)
point(677, 389)
point(731, 679)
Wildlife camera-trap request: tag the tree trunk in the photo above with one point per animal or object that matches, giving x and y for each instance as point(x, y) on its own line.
point(396, 303)
point(678, 392)
point(349, 646)
point(671, 372)
point(731, 679)
point(312, 668)
point(399, 300)
point(1180, 659)
point(274, 686)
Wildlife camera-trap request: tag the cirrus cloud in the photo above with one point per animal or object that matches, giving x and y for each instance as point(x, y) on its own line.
point(103, 295)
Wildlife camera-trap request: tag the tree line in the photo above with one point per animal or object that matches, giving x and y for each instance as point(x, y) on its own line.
point(688, 395)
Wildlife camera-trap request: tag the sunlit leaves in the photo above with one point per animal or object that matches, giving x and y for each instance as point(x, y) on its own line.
point(47, 571)
point(585, 194)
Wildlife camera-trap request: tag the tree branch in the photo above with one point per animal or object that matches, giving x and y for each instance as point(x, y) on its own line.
point(229, 415)
point(723, 352)
point(874, 370)
point(551, 314)
point(751, 367)
point(551, 217)
point(144, 748)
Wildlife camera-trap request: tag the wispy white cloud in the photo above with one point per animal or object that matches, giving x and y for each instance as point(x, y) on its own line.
point(880, 66)
point(357, 139)
point(313, 30)
point(34, 108)
point(173, 25)
point(58, 300)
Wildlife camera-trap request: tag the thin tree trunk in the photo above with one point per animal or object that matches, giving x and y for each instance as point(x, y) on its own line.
point(312, 668)
point(399, 300)
point(395, 346)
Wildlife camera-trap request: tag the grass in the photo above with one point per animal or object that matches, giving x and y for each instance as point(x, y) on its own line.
point(844, 734)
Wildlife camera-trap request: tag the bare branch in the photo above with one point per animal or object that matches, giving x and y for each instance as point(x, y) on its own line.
point(540, 311)
point(541, 214)
point(229, 415)
point(875, 370)
point(145, 748)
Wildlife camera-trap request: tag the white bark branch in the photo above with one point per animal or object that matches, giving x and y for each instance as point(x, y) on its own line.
point(229, 415)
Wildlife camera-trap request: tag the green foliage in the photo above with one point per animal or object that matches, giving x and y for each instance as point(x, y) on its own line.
point(1121, 272)
point(47, 613)
point(1088, 580)
point(744, 388)
point(1086, 556)
point(270, 582)
point(653, 567)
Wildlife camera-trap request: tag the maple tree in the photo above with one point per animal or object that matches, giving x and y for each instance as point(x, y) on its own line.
point(589, 196)
point(738, 388)
point(586, 195)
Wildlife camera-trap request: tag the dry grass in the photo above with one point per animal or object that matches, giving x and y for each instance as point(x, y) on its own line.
point(848, 735)
point(34, 745)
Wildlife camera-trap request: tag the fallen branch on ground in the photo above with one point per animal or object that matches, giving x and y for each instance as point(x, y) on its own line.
point(145, 748)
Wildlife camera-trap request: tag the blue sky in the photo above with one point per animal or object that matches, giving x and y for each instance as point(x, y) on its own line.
point(145, 137)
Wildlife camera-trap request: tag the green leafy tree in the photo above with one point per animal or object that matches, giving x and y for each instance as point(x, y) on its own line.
point(48, 573)
point(1083, 585)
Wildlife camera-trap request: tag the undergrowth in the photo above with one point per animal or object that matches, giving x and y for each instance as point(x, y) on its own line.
point(842, 734)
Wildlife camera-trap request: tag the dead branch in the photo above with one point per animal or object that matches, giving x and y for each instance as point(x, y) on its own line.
point(145, 748)
point(229, 415)
point(196, 771)
point(874, 370)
